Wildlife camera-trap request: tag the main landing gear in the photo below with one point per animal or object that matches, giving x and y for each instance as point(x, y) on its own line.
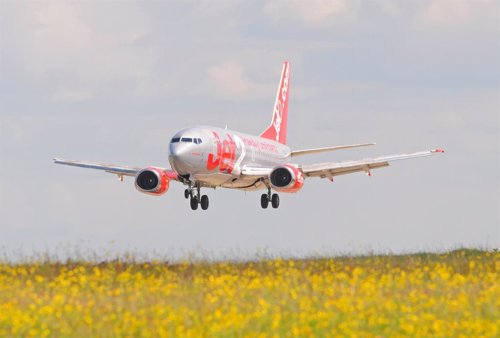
point(195, 198)
point(266, 198)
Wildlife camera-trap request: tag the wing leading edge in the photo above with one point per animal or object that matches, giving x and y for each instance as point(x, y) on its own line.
point(110, 168)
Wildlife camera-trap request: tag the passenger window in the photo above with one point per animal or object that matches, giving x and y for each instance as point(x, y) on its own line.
point(187, 139)
point(175, 140)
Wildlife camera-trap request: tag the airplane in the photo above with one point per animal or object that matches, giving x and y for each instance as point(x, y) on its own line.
point(210, 157)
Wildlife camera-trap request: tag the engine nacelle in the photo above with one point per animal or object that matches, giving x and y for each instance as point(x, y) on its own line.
point(286, 178)
point(152, 181)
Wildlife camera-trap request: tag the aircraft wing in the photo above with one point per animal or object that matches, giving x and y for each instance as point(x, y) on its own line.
point(325, 149)
point(331, 169)
point(109, 168)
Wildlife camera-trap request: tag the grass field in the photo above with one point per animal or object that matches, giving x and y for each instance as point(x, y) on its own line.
point(455, 294)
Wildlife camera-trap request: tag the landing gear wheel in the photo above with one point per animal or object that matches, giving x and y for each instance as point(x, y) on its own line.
point(204, 202)
point(187, 193)
point(275, 201)
point(194, 203)
point(264, 201)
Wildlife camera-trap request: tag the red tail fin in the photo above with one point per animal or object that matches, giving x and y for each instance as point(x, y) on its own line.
point(277, 129)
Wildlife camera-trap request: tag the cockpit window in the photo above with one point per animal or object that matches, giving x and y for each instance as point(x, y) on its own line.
point(186, 140)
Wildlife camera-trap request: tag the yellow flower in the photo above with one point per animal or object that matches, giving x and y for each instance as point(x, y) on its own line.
point(453, 294)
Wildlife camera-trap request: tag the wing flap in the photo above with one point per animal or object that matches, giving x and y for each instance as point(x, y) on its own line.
point(331, 172)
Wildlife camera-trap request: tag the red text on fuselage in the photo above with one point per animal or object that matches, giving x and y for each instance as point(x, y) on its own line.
point(224, 156)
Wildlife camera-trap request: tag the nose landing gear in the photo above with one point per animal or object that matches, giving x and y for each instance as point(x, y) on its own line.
point(195, 198)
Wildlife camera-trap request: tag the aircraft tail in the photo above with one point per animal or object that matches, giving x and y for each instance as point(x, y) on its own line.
point(277, 129)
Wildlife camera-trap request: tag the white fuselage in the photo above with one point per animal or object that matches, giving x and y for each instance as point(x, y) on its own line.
point(215, 157)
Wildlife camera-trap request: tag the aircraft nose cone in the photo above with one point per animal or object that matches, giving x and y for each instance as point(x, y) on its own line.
point(177, 152)
point(179, 158)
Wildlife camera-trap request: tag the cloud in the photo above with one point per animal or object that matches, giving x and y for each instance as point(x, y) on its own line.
point(19, 130)
point(229, 78)
point(323, 14)
point(71, 53)
point(458, 12)
point(57, 36)
point(390, 7)
point(63, 94)
point(314, 13)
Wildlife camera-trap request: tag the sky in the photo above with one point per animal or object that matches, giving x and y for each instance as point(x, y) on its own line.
point(112, 81)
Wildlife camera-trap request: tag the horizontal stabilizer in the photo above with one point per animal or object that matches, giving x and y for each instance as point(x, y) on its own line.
point(326, 149)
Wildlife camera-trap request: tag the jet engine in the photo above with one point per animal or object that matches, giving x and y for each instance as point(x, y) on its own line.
point(152, 181)
point(286, 178)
